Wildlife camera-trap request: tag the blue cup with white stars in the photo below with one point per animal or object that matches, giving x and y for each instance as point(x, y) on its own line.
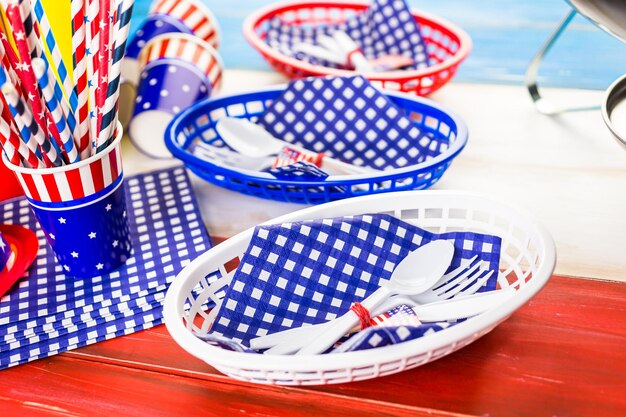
point(5, 252)
point(81, 209)
point(166, 87)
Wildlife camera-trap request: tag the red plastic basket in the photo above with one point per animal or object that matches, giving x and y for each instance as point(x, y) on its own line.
point(447, 44)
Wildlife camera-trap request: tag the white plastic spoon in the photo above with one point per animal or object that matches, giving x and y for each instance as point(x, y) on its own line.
point(352, 52)
point(416, 273)
point(444, 310)
point(380, 64)
point(251, 139)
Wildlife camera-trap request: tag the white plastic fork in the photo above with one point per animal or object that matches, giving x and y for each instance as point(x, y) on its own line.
point(468, 282)
point(462, 281)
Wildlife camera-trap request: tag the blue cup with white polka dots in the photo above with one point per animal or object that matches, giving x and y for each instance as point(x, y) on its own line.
point(166, 87)
point(151, 27)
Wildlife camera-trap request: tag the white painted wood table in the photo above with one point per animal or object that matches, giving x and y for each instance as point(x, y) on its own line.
point(567, 171)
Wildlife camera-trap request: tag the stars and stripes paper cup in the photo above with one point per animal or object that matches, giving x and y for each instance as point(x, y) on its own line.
point(178, 70)
point(81, 209)
point(194, 14)
point(192, 17)
point(5, 252)
point(10, 187)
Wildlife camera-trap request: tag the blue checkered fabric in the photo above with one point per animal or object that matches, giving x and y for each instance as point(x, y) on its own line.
point(312, 271)
point(48, 313)
point(349, 119)
point(137, 321)
point(69, 321)
point(301, 170)
point(376, 337)
point(385, 28)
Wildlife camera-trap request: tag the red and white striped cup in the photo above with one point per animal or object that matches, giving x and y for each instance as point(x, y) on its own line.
point(81, 209)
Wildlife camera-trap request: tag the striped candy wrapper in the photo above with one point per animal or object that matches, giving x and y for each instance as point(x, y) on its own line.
point(81, 209)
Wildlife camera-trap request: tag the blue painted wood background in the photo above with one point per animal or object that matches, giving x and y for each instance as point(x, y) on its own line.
point(506, 35)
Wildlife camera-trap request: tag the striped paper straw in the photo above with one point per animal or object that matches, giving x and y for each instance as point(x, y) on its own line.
point(55, 53)
point(80, 75)
point(46, 82)
point(122, 28)
point(93, 40)
point(103, 66)
point(31, 134)
point(9, 59)
point(68, 112)
point(11, 140)
point(8, 141)
point(32, 34)
point(24, 64)
point(36, 51)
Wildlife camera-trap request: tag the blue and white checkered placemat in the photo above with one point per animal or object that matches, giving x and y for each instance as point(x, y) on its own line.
point(386, 27)
point(312, 271)
point(73, 320)
point(138, 321)
point(48, 313)
point(349, 119)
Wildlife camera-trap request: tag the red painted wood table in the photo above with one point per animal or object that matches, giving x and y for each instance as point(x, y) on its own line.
point(562, 354)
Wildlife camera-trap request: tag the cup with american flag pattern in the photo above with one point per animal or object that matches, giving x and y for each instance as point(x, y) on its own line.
point(81, 209)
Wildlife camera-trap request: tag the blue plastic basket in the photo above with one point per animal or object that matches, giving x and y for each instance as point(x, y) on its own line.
point(192, 138)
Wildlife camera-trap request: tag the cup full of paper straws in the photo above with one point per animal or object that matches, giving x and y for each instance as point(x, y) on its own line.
point(59, 131)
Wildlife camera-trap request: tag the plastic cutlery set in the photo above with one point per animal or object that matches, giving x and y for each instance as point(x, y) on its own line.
point(419, 281)
point(253, 141)
point(340, 49)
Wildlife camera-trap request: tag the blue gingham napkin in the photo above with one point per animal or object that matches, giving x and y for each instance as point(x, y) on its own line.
point(385, 28)
point(312, 271)
point(300, 170)
point(348, 119)
point(375, 337)
point(48, 313)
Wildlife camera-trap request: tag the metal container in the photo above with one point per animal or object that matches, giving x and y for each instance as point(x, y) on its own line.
point(614, 109)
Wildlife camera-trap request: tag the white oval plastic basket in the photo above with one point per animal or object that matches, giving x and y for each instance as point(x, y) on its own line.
point(527, 261)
